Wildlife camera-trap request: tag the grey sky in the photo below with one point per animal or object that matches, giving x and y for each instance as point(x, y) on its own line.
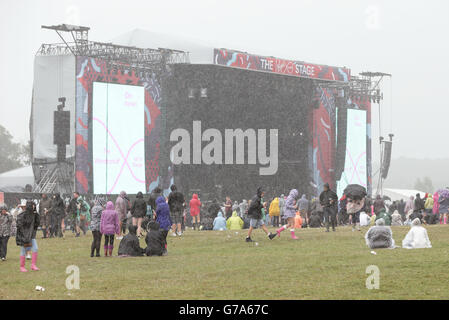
point(407, 39)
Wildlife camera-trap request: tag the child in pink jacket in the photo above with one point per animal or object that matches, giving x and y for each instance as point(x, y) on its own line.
point(109, 225)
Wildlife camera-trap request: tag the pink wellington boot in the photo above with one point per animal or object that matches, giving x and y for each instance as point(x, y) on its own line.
point(22, 264)
point(294, 237)
point(33, 262)
point(278, 231)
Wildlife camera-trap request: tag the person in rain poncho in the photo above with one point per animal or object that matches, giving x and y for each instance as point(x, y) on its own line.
point(163, 217)
point(121, 206)
point(274, 211)
point(290, 214)
point(95, 223)
point(27, 223)
point(379, 236)
point(383, 214)
point(396, 219)
point(409, 204)
point(417, 237)
point(219, 222)
point(364, 219)
point(234, 222)
point(83, 215)
point(129, 245)
point(303, 206)
point(281, 208)
point(243, 207)
point(195, 208)
point(109, 225)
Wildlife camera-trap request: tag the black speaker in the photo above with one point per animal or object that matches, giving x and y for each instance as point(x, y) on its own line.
point(61, 128)
point(387, 158)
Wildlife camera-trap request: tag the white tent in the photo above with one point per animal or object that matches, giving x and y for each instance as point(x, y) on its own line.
point(16, 179)
point(398, 194)
point(199, 53)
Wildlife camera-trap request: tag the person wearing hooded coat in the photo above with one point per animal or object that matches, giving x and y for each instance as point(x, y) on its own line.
point(379, 236)
point(243, 206)
point(130, 245)
point(156, 193)
point(195, 205)
point(255, 215)
point(396, 219)
point(303, 206)
point(83, 215)
point(121, 206)
point(5, 230)
point(274, 211)
point(417, 237)
point(45, 215)
point(138, 212)
point(163, 217)
point(290, 214)
point(219, 222)
point(234, 222)
point(95, 223)
point(27, 223)
point(109, 225)
point(329, 201)
point(155, 240)
point(56, 211)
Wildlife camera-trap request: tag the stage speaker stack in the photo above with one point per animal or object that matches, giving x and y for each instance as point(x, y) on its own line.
point(387, 158)
point(61, 130)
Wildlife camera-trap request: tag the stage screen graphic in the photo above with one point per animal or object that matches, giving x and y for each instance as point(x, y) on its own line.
point(118, 132)
point(355, 160)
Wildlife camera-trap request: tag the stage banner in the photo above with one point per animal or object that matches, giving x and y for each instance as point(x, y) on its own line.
point(53, 79)
point(235, 59)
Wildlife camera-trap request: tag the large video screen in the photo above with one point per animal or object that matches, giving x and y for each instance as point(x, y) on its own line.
point(118, 147)
point(355, 159)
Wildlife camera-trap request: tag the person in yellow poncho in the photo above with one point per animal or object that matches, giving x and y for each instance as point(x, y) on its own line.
point(234, 222)
point(274, 211)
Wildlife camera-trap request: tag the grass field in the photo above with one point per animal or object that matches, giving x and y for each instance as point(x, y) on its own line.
point(220, 265)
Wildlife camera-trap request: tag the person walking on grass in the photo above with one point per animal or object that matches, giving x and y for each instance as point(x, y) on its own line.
point(57, 211)
point(109, 225)
point(5, 230)
point(95, 223)
point(329, 201)
point(138, 212)
point(290, 214)
point(195, 205)
point(27, 223)
point(176, 203)
point(255, 215)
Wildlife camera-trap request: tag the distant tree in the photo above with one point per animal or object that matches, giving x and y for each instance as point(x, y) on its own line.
point(12, 155)
point(424, 185)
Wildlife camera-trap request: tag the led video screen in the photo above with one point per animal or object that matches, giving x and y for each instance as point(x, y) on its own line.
point(355, 159)
point(118, 148)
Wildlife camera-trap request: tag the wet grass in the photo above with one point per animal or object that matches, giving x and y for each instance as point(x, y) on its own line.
point(220, 265)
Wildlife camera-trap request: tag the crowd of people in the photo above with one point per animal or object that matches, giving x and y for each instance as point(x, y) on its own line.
point(127, 220)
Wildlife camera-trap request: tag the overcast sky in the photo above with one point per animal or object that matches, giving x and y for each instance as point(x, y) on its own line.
point(408, 39)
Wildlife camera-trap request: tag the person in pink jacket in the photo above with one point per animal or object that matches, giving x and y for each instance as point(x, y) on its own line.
point(109, 225)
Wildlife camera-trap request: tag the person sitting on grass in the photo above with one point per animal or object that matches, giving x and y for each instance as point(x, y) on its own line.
point(383, 214)
point(396, 219)
point(315, 220)
point(379, 236)
point(155, 240)
point(234, 222)
point(129, 245)
point(219, 222)
point(417, 237)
